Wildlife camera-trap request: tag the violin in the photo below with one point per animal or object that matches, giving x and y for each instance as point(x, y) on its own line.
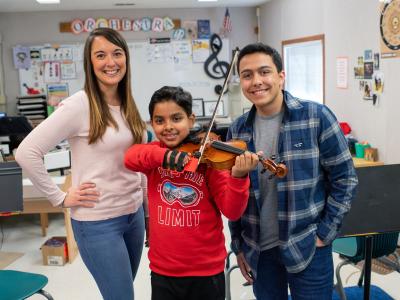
point(222, 155)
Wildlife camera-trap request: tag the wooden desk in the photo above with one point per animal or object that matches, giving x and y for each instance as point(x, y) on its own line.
point(361, 162)
point(43, 207)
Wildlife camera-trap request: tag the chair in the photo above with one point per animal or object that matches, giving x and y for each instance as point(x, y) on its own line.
point(228, 271)
point(352, 250)
point(15, 285)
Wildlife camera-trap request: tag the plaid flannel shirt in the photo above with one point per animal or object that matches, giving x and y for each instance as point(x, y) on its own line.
point(316, 193)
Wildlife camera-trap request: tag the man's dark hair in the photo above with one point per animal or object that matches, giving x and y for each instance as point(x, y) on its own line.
point(261, 48)
point(171, 93)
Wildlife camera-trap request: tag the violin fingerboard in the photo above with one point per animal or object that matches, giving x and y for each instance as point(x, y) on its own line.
point(227, 148)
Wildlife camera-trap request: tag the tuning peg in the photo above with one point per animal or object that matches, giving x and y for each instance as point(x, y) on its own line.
point(271, 176)
point(263, 171)
point(273, 156)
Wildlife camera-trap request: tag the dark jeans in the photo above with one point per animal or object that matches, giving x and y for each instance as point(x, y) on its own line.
point(313, 283)
point(111, 250)
point(185, 288)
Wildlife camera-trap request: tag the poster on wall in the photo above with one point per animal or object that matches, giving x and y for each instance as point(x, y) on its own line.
point(52, 72)
point(68, 70)
point(367, 90)
point(21, 57)
point(182, 52)
point(201, 50)
point(342, 72)
point(203, 29)
point(377, 82)
point(31, 80)
point(159, 53)
point(56, 92)
point(368, 70)
point(190, 28)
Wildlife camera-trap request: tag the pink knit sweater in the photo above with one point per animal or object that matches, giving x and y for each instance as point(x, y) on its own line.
point(121, 190)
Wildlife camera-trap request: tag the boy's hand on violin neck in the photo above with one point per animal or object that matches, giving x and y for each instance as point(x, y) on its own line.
point(244, 164)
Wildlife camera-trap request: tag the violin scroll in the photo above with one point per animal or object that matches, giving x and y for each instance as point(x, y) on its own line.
point(279, 169)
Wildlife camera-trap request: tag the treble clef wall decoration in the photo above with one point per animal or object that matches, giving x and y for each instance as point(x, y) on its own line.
point(213, 67)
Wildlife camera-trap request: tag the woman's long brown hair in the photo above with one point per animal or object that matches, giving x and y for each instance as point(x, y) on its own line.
point(100, 116)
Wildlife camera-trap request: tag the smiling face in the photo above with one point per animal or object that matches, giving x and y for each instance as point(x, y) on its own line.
point(170, 123)
point(261, 82)
point(108, 61)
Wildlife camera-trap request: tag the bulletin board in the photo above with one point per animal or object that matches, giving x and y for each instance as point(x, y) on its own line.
point(51, 66)
point(152, 66)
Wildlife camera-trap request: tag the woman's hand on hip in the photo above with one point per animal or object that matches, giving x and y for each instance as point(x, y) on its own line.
point(85, 195)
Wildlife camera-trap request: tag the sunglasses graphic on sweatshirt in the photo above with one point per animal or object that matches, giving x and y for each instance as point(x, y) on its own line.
point(185, 195)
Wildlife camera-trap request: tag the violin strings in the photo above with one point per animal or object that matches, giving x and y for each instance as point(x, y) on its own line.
point(227, 148)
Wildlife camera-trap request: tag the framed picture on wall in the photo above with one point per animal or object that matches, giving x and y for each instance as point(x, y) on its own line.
point(198, 107)
point(368, 70)
point(209, 108)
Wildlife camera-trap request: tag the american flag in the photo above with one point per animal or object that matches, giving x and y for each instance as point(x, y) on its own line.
point(227, 25)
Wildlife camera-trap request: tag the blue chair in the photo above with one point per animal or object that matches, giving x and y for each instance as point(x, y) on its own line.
point(352, 251)
point(16, 285)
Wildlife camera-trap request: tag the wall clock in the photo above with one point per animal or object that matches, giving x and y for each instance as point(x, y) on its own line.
point(390, 29)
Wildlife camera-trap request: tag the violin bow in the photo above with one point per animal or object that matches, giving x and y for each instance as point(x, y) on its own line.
point(195, 161)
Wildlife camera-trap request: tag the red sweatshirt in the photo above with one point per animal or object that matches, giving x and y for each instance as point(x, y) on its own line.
point(186, 231)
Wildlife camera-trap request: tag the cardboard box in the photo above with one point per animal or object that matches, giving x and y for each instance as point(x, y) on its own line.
point(55, 251)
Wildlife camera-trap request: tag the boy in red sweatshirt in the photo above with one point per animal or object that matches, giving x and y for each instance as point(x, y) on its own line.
point(187, 245)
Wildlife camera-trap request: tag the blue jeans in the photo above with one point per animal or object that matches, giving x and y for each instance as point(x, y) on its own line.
point(111, 250)
point(313, 283)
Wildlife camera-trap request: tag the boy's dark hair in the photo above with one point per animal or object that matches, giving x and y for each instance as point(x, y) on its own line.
point(261, 48)
point(172, 93)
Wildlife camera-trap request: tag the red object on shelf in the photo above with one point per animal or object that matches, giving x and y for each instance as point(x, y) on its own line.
point(345, 127)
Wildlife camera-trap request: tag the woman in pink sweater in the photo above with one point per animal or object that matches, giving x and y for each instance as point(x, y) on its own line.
point(100, 123)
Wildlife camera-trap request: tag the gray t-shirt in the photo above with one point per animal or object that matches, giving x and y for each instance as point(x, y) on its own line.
point(266, 133)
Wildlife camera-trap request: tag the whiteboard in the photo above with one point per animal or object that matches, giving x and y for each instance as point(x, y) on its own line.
point(152, 66)
point(150, 72)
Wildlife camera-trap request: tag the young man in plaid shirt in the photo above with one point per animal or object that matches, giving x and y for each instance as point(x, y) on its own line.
point(284, 237)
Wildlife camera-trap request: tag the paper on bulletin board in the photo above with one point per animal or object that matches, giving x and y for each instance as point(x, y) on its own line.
point(159, 53)
point(56, 92)
point(68, 70)
point(182, 52)
point(21, 57)
point(52, 71)
point(32, 80)
point(201, 50)
point(342, 72)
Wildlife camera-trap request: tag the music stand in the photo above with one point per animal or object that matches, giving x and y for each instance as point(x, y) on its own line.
point(374, 210)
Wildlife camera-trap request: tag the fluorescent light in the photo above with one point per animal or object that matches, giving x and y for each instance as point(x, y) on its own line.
point(48, 1)
point(207, 0)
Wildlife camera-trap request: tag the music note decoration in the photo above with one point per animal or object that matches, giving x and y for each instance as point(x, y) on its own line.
point(213, 67)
